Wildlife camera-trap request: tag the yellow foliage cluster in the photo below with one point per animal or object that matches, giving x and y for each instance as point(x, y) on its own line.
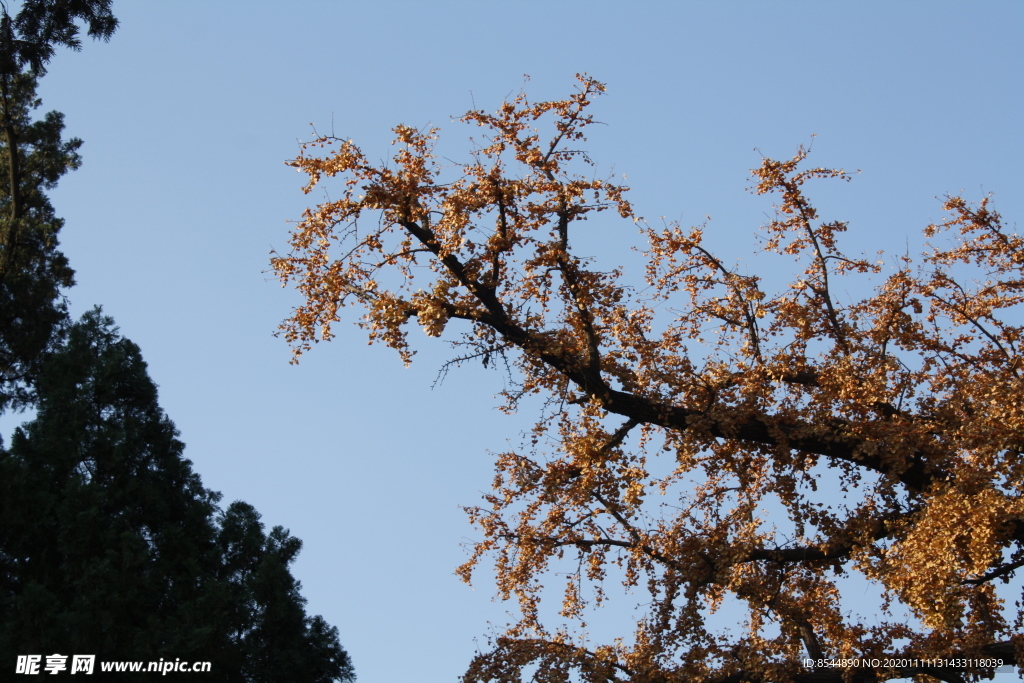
point(910, 402)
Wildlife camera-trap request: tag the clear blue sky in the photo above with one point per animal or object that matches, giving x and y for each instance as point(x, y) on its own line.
point(189, 112)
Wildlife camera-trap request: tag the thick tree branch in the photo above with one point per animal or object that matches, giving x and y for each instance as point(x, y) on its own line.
point(730, 423)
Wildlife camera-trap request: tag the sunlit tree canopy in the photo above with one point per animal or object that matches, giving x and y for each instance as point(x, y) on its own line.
point(703, 440)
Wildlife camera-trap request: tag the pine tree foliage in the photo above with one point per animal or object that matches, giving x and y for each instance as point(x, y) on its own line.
point(33, 272)
point(29, 39)
point(32, 158)
point(110, 544)
point(704, 441)
point(272, 634)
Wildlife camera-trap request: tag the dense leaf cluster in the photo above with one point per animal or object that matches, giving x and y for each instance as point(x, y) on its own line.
point(705, 440)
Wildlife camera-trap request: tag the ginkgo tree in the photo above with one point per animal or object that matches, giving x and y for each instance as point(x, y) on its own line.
point(800, 437)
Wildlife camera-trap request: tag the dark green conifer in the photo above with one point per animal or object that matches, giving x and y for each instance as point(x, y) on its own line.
point(110, 545)
point(32, 158)
point(32, 269)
